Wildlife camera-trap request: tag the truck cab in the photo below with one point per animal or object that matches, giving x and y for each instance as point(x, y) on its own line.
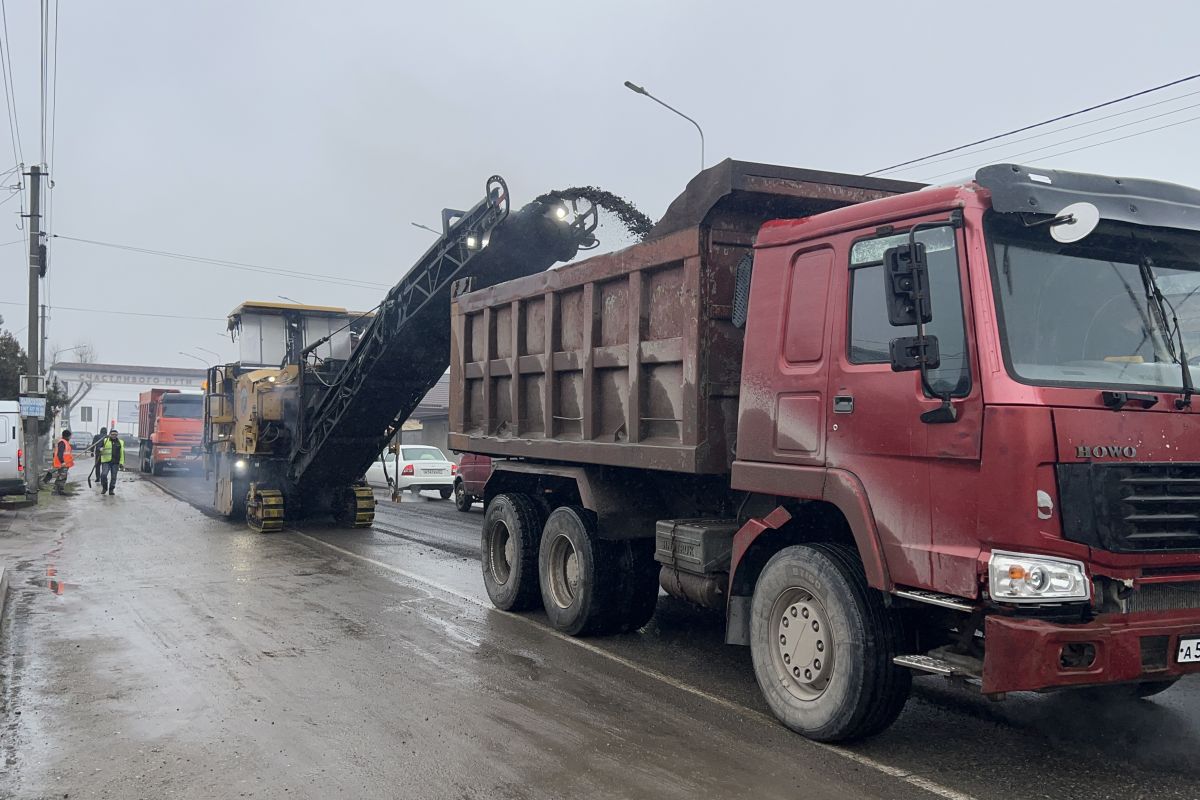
point(1037, 467)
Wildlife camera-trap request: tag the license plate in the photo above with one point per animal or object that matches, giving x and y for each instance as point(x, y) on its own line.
point(1189, 650)
point(433, 472)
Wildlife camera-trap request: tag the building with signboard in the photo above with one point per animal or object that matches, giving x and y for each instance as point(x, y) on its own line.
point(109, 392)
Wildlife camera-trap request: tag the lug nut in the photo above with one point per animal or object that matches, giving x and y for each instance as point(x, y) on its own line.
point(816, 663)
point(804, 612)
point(796, 671)
point(816, 627)
point(782, 639)
point(785, 622)
point(807, 675)
point(787, 659)
point(820, 646)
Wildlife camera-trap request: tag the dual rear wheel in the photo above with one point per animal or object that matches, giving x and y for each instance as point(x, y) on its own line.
point(587, 585)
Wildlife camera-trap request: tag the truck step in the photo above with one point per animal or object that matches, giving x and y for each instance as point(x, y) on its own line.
point(949, 665)
point(936, 599)
point(929, 664)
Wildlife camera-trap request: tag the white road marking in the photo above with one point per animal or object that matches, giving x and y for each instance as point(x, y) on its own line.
point(904, 775)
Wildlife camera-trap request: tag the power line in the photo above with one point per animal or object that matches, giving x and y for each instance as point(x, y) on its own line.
point(1076, 149)
point(117, 313)
point(1011, 156)
point(10, 91)
point(1065, 128)
point(238, 265)
point(1037, 124)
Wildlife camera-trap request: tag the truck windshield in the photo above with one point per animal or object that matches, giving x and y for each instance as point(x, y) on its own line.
point(182, 407)
point(1085, 314)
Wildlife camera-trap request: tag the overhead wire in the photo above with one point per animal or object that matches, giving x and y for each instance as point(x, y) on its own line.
point(118, 313)
point(237, 265)
point(1043, 123)
point(10, 92)
point(1064, 128)
point(1072, 150)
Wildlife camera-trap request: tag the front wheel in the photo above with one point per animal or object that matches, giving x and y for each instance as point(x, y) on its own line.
point(822, 644)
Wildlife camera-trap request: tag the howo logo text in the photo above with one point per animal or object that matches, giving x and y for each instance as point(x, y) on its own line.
point(1105, 451)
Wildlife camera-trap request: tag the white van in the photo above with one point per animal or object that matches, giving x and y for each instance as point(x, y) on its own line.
point(12, 449)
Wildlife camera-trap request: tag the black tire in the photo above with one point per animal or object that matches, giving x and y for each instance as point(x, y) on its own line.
point(856, 693)
point(583, 596)
point(639, 592)
point(445, 492)
point(512, 530)
point(1127, 692)
point(462, 500)
point(156, 469)
point(416, 490)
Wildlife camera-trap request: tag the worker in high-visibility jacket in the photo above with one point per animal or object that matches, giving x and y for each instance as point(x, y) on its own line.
point(63, 461)
point(112, 458)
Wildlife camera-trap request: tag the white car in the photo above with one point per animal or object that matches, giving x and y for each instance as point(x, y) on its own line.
point(416, 468)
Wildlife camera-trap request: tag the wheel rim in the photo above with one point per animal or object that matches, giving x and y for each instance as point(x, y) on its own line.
point(500, 552)
point(803, 650)
point(458, 492)
point(564, 572)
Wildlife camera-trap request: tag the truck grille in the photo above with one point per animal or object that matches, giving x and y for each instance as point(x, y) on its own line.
point(1128, 508)
point(1166, 597)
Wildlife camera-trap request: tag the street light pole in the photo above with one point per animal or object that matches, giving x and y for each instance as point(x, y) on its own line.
point(198, 358)
point(633, 87)
point(206, 350)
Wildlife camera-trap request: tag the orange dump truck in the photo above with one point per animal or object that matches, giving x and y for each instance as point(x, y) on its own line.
point(169, 427)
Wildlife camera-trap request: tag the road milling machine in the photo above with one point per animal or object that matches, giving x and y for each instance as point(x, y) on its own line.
point(317, 392)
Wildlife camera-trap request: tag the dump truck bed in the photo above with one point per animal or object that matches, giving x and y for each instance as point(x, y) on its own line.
point(630, 358)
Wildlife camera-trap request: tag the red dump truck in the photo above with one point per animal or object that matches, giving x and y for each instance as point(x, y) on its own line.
point(170, 425)
point(885, 428)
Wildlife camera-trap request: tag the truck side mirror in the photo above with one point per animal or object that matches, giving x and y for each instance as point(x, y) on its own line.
point(906, 285)
point(914, 352)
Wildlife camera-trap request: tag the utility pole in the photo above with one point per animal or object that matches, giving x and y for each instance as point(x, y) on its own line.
point(33, 448)
point(42, 358)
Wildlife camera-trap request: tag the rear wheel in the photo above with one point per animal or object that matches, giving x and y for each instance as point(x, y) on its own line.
point(822, 644)
point(512, 529)
point(462, 500)
point(585, 580)
point(445, 492)
point(639, 592)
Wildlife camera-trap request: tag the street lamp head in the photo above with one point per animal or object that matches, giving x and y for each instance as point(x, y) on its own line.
point(633, 87)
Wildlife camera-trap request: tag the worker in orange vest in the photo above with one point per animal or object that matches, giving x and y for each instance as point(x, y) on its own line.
point(63, 461)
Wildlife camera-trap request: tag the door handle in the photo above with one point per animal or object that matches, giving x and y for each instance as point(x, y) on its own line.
point(843, 404)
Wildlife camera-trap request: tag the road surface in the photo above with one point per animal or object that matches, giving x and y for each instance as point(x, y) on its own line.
point(150, 650)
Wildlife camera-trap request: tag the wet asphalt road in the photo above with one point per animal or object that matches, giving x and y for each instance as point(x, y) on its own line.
point(152, 651)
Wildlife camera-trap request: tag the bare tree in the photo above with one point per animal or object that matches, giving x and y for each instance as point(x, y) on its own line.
point(85, 353)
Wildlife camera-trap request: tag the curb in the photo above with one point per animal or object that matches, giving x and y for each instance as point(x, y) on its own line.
point(3, 590)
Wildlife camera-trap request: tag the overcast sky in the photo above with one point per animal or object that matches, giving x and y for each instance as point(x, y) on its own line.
point(309, 135)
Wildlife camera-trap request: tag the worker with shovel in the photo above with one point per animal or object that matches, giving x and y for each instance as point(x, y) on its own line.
point(112, 458)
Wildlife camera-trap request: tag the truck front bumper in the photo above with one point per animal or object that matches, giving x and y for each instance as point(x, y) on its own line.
point(1024, 654)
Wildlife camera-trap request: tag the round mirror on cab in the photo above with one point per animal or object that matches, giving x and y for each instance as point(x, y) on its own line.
point(1075, 222)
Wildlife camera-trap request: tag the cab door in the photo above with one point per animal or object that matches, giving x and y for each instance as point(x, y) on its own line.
point(875, 427)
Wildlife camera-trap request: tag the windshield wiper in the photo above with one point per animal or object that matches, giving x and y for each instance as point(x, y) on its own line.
point(1161, 304)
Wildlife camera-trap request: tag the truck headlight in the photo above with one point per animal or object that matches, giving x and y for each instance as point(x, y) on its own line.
point(1023, 578)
